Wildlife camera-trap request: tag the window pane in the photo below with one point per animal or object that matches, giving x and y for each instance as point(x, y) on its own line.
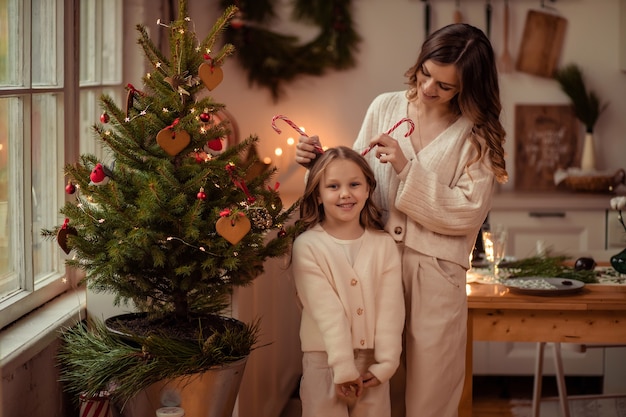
point(111, 39)
point(47, 52)
point(47, 180)
point(90, 112)
point(11, 43)
point(89, 51)
point(11, 138)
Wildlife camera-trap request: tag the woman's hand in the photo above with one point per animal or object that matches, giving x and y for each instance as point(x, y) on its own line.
point(388, 151)
point(307, 149)
point(349, 389)
point(369, 380)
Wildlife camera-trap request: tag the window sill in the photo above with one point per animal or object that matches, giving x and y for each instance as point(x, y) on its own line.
point(32, 333)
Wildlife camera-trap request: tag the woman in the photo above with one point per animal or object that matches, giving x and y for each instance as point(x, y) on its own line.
point(436, 190)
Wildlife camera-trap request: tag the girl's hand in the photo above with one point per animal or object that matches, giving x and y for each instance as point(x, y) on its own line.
point(370, 380)
point(350, 389)
point(388, 151)
point(306, 149)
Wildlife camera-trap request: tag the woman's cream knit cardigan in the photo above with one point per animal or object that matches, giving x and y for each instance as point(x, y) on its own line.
point(437, 204)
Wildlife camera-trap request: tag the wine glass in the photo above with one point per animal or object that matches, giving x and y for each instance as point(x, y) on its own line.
point(494, 242)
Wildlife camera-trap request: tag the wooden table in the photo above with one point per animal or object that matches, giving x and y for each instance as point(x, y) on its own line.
point(595, 315)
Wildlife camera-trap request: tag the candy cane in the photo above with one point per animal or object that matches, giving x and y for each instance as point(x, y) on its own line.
point(411, 128)
point(289, 122)
point(318, 149)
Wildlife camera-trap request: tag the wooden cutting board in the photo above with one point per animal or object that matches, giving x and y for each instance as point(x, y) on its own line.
point(541, 45)
point(546, 139)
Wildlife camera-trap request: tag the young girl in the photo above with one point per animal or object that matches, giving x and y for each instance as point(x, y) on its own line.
point(348, 278)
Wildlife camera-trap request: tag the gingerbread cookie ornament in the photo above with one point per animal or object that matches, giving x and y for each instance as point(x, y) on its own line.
point(173, 142)
point(233, 228)
point(63, 233)
point(211, 75)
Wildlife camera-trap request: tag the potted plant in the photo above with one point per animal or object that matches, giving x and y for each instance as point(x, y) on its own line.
point(172, 226)
point(587, 108)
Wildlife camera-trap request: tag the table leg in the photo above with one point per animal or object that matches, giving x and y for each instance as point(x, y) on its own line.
point(465, 406)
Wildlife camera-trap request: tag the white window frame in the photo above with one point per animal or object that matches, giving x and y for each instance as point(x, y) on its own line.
point(64, 138)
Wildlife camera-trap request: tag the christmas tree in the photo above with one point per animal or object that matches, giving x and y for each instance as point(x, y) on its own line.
point(172, 226)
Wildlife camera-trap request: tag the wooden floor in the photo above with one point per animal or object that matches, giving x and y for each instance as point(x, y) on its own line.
point(493, 394)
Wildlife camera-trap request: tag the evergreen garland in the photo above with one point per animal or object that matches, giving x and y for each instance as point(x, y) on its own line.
point(272, 59)
point(547, 266)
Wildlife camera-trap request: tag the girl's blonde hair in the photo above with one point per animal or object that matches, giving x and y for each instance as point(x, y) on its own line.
point(312, 212)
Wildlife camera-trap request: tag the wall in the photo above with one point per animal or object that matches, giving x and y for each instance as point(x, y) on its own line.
point(333, 106)
point(32, 388)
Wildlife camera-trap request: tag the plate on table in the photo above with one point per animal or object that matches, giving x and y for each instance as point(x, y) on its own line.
point(543, 286)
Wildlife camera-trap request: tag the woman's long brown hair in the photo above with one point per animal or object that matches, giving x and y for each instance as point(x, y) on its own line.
point(478, 99)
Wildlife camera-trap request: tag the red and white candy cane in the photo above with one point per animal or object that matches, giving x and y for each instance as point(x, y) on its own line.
point(318, 149)
point(411, 128)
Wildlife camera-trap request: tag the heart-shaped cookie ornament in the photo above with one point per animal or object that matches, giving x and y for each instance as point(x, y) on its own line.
point(233, 228)
point(173, 141)
point(62, 235)
point(211, 75)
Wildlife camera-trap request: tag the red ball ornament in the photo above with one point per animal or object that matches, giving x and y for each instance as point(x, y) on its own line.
point(201, 194)
point(205, 117)
point(70, 188)
point(282, 233)
point(104, 117)
point(237, 21)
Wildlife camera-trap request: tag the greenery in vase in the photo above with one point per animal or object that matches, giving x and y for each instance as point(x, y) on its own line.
point(587, 105)
point(147, 228)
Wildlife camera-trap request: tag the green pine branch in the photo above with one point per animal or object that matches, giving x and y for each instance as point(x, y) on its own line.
point(95, 360)
point(547, 266)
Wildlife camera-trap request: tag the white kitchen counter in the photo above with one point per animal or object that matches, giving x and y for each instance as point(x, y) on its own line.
point(551, 201)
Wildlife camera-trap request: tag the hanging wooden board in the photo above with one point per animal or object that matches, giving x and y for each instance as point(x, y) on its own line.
point(541, 45)
point(546, 138)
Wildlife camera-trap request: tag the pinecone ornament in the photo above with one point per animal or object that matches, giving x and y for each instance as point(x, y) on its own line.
point(261, 218)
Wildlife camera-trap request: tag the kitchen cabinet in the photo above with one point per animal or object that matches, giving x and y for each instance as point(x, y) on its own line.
point(561, 231)
point(566, 223)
